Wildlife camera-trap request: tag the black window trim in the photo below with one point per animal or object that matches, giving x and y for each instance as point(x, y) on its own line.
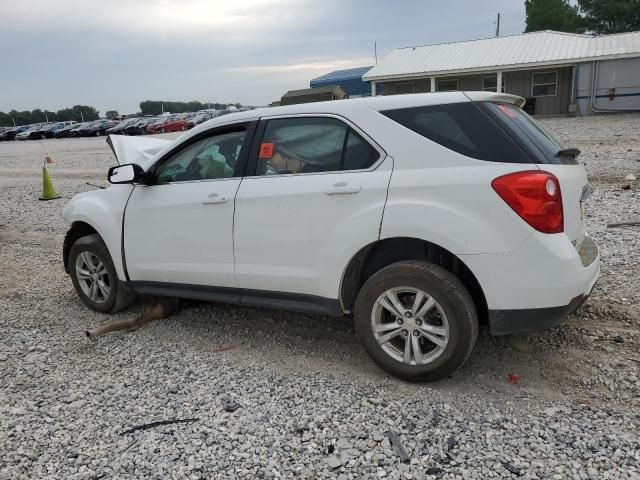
point(252, 162)
point(248, 125)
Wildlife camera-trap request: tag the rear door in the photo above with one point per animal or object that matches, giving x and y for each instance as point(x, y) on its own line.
point(313, 196)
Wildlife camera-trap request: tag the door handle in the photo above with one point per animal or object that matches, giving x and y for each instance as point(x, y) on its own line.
point(215, 198)
point(342, 188)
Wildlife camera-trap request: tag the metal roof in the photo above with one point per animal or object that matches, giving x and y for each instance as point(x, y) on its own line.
point(516, 51)
point(346, 74)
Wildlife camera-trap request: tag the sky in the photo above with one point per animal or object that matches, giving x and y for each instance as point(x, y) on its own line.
point(113, 54)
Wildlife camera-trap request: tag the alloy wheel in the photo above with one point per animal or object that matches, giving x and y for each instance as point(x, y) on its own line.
point(410, 325)
point(93, 277)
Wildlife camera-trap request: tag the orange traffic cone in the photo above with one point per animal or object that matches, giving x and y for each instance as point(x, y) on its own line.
point(48, 192)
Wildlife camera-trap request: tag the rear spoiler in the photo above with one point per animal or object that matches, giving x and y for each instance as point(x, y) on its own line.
point(496, 97)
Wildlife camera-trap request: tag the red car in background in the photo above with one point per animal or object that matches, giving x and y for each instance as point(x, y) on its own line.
point(171, 123)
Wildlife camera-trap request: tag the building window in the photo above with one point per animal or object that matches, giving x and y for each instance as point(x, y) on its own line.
point(490, 83)
point(404, 88)
point(446, 84)
point(544, 84)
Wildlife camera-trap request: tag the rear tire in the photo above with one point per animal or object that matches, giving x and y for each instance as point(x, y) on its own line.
point(443, 334)
point(94, 276)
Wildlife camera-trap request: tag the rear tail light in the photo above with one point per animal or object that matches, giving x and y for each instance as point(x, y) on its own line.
point(535, 196)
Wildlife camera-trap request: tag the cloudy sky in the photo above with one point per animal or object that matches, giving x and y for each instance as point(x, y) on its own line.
point(115, 53)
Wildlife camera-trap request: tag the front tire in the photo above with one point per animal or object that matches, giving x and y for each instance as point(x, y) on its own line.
point(94, 276)
point(416, 320)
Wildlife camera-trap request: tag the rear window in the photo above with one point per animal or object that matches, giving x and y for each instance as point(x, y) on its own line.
point(528, 131)
point(463, 128)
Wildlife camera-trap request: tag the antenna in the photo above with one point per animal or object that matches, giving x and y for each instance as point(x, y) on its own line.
point(375, 50)
point(498, 26)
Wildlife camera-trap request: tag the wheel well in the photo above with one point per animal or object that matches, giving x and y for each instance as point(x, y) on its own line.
point(77, 230)
point(382, 253)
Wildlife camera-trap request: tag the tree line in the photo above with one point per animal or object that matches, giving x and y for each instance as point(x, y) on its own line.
point(156, 107)
point(26, 117)
point(585, 16)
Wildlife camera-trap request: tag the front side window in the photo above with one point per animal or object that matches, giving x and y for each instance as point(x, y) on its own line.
point(446, 84)
point(544, 84)
point(312, 145)
point(210, 158)
point(463, 128)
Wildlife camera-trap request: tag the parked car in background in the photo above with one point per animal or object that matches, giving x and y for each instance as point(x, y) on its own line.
point(96, 128)
point(421, 215)
point(48, 130)
point(171, 123)
point(200, 117)
point(38, 133)
point(26, 134)
point(11, 133)
point(140, 127)
point(121, 128)
point(65, 131)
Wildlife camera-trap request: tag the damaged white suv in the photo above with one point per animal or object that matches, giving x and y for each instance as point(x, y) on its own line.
point(422, 215)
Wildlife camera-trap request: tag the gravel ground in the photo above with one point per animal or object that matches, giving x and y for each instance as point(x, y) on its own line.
point(281, 395)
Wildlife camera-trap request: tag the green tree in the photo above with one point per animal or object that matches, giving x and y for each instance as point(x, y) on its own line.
point(112, 114)
point(611, 16)
point(557, 15)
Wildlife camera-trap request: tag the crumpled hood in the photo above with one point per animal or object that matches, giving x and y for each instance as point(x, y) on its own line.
point(139, 150)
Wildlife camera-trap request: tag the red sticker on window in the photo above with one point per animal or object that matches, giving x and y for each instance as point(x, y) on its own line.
point(266, 150)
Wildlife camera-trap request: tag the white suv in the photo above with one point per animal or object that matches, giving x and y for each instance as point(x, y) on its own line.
point(422, 215)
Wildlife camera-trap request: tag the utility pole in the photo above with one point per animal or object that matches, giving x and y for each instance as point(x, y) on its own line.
point(498, 26)
point(14, 121)
point(81, 116)
point(375, 50)
point(46, 116)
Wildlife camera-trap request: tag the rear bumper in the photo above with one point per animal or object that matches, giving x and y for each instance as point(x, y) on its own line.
point(505, 322)
point(537, 285)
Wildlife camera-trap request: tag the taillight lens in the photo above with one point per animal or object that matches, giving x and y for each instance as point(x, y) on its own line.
point(535, 196)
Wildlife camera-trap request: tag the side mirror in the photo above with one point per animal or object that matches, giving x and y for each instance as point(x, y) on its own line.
point(128, 173)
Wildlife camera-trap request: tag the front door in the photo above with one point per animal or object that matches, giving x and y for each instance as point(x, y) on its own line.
point(179, 229)
point(314, 196)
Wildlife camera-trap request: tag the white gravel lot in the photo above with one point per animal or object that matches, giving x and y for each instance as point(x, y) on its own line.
point(310, 402)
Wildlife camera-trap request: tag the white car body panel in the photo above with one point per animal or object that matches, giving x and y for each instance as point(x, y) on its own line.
point(545, 271)
point(454, 207)
point(170, 235)
point(103, 209)
point(291, 236)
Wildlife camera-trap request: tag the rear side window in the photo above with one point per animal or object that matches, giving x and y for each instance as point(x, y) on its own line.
point(528, 131)
point(312, 145)
point(463, 128)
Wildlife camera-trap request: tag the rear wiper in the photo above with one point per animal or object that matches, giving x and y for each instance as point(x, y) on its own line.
point(568, 152)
